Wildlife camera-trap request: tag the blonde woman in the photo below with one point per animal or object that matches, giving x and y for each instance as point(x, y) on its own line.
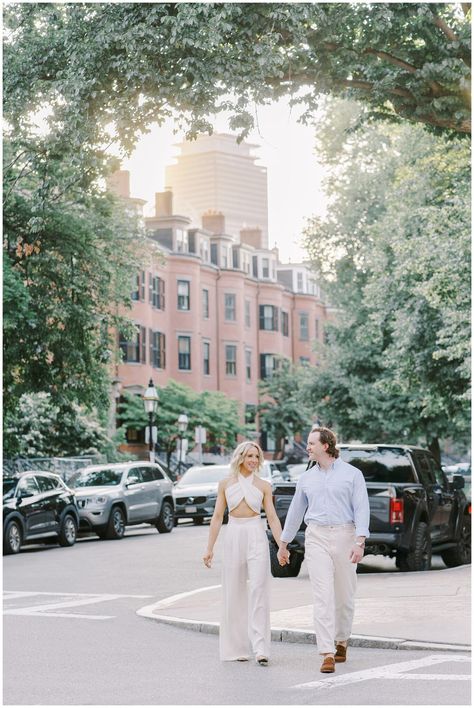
point(245, 618)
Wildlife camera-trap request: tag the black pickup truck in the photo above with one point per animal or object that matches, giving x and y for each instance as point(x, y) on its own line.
point(414, 510)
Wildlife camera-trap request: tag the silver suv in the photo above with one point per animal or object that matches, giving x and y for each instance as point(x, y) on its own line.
point(110, 497)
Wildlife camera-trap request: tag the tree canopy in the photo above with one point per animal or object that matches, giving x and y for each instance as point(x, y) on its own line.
point(127, 65)
point(394, 253)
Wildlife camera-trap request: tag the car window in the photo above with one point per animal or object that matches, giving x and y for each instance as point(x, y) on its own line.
point(157, 473)
point(384, 464)
point(9, 486)
point(96, 478)
point(26, 486)
point(46, 484)
point(134, 476)
point(438, 473)
point(424, 470)
point(204, 475)
point(147, 474)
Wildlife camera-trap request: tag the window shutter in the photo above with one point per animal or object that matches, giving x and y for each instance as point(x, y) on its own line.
point(261, 309)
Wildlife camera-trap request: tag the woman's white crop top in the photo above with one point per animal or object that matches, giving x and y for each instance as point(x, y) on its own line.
point(244, 488)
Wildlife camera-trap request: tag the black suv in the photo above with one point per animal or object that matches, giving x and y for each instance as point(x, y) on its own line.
point(37, 506)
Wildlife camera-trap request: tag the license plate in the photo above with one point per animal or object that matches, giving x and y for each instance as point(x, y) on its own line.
point(190, 509)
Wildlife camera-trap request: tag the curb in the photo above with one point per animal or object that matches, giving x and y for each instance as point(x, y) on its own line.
point(299, 636)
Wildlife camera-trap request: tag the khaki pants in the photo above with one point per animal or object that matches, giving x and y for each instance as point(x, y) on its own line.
point(245, 619)
point(333, 582)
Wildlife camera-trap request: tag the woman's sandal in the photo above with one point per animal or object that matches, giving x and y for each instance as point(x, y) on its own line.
point(262, 660)
point(243, 658)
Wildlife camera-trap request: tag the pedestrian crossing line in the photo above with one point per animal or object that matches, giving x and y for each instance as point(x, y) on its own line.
point(392, 671)
point(50, 609)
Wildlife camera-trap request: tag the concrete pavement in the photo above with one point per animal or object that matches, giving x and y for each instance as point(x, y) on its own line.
point(424, 610)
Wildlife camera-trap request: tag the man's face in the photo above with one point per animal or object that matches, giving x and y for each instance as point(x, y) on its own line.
point(314, 447)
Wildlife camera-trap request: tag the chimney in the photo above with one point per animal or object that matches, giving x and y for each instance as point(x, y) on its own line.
point(164, 203)
point(119, 183)
point(213, 221)
point(252, 236)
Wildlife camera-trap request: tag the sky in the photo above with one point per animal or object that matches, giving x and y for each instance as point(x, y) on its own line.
point(286, 150)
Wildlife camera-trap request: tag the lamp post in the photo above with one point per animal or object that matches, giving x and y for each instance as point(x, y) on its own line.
point(150, 400)
point(182, 425)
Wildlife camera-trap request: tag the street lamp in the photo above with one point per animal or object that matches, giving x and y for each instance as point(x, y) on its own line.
point(150, 400)
point(182, 425)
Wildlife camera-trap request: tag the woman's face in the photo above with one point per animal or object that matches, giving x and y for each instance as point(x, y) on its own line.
point(250, 462)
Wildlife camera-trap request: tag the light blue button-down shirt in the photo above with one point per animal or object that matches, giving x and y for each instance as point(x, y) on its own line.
point(329, 498)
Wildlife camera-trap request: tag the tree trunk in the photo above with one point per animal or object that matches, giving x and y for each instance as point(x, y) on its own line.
point(434, 448)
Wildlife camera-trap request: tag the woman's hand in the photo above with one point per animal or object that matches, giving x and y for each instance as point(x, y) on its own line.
point(207, 558)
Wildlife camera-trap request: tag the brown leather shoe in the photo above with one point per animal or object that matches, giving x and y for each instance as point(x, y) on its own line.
point(341, 652)
point(328, 666)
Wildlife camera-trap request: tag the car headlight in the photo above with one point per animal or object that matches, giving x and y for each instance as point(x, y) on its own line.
point(95, 501)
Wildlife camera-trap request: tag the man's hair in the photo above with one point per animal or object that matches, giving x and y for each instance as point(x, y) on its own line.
point(327, 436)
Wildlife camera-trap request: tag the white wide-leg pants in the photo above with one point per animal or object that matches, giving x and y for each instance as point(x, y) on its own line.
point(333, 582)
point(245, 614)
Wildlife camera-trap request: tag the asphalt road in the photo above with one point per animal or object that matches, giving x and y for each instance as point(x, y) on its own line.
point(72, 636)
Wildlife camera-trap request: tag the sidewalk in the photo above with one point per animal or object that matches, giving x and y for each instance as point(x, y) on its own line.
point(426, 610)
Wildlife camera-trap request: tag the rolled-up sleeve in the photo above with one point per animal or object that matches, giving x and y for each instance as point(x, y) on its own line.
point(295, 514)
point(360, 503)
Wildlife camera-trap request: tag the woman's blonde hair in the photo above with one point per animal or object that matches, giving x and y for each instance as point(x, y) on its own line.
point(239, 454)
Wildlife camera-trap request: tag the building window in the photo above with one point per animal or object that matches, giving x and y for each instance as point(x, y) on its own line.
point(134, 350)
point(230, 360)
point(205, 304)
point(299, 282)
point(224, 257)
point(248, 321)
point(265, 268)
point(304, 327)
point(267, 365)
point(229, 310)
point(255, 266)
point(157, 349)
point(245, 262)
point(182, 245)
point(184, 353)
point(204, 250)
point(250, 413)
point(304, 360)
point(269, 318)
point(135, 295)
point(316, 328)
point(156, 291)
point(206, 358)
point(284, 324)
point(248, 365)
point(183, 295)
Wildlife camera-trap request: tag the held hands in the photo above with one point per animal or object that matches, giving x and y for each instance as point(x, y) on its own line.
point(207, 558)
point(283, 556)
point(357, 553)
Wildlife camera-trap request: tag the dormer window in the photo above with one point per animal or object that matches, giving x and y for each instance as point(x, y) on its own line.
point(182, 245)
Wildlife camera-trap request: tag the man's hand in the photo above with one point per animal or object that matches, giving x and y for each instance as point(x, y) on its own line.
point(357, 553)
point(283, 555)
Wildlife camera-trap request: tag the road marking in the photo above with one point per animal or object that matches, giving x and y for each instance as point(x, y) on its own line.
point(48, 610)
point(393, 671)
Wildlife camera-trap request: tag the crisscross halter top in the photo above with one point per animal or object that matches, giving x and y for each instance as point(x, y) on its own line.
point(244, 488)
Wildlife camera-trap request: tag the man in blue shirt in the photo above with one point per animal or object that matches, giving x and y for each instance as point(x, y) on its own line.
point(332, 497)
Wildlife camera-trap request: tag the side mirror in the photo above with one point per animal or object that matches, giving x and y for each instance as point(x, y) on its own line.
point(458, 481)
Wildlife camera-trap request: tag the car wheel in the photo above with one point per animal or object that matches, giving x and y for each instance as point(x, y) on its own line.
point(116, 525)
point(419, 557)
point(68, 532)
point(461, 554)
point(12, 538)
point(198, 520)
point(290, 570)
point(165, 522)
